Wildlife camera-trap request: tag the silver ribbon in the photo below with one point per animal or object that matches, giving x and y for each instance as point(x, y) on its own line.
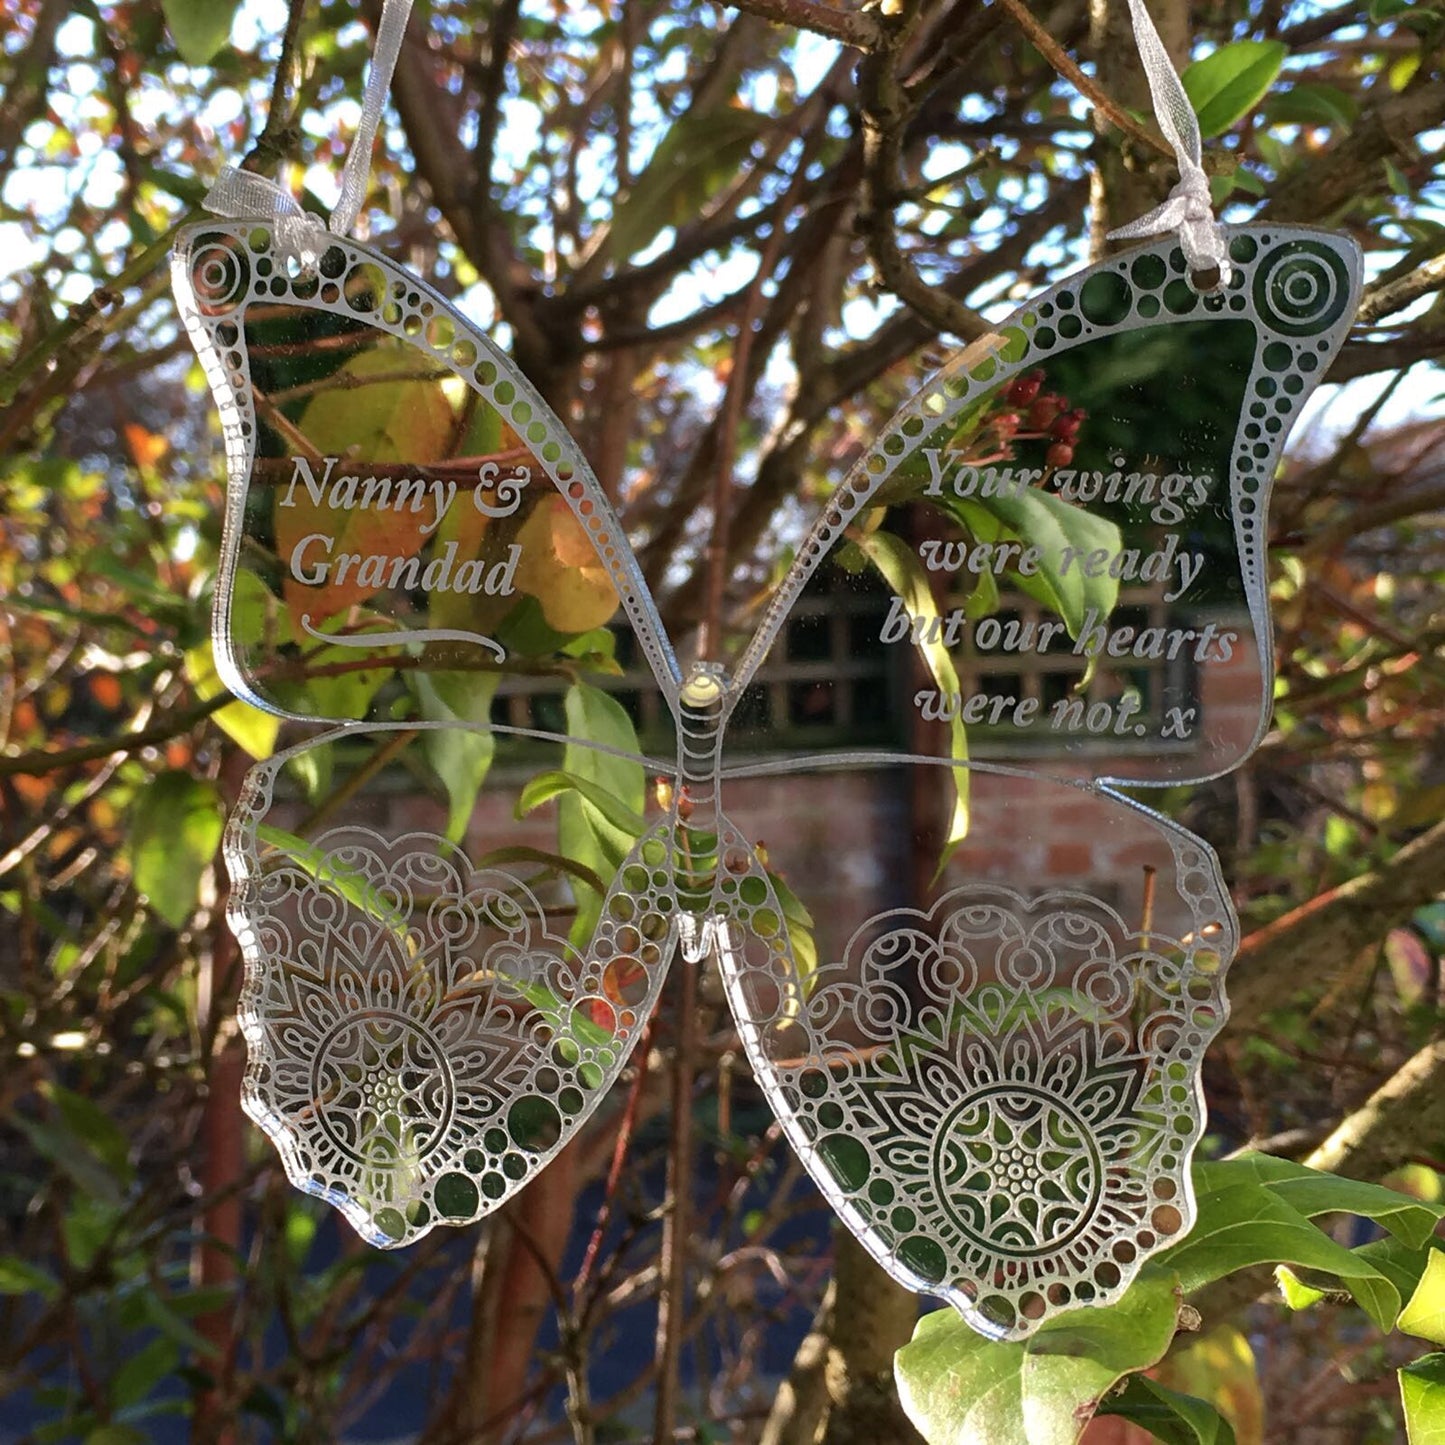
point(243, 194)
point(1188, 212)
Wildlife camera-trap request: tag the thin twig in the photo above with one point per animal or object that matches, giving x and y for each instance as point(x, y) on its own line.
point(278, 134)
point(1061, 61)
point(36, 764)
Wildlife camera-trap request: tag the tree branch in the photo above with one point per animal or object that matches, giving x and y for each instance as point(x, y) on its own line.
point(1332, 179)
point(1405, 1114)
point(885, 117)
point(1064, 64)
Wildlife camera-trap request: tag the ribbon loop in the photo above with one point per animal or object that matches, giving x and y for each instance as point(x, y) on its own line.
point(1188, 212)
point(240, 194)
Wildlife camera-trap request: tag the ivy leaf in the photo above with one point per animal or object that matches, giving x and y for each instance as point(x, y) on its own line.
point(1167, 1415)
point(199, 27)
point(1422, 1393)
point(1229, 83)
point(175, 825)
point(959, 1388)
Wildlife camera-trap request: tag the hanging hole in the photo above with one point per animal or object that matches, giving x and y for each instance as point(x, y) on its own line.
point(1207, 280)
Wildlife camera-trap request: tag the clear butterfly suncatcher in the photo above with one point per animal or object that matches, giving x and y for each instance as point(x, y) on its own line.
point(1056, 550)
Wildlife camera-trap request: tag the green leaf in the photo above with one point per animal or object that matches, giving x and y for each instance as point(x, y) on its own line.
point(701, 152)
point(898, 565)
point(96, 1129)
point(1053, 525)
point(1422, 1393)
point(1397, 1262)
point(117, 1435)
point(175, 825)
point(546, 786)
point(1298, 1294)
point(1167, 1415)
point(19, 1276)
point(960, 1388)
point(1424, 1315)
point(200, 27)
point(799, 923)
point(352, 884)
point(1314, 1192)
point(1247, 1224)
point(1229, 83)
point(460, 756)
point(254, 730)
point(144, 1370)
point(89, 1173)
point(1312, 105)
point(597, 835)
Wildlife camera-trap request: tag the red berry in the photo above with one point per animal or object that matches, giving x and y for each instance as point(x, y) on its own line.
point(1006, 423)
point(1043, 411)
point(1023, 389)
point(1060, 454)
point(1066, 428)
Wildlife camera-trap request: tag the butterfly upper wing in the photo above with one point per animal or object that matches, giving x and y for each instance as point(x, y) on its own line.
point(402, 503)
point(1083, 496)
point(439, 990)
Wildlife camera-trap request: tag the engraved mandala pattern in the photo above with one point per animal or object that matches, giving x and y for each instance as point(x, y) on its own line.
point(1001, 1094)
point(419, 1041)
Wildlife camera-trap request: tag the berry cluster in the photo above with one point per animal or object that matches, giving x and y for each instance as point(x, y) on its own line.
point(1035, 415)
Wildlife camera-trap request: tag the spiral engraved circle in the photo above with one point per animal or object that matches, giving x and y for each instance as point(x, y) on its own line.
point(1301, 288)
point(220, 274)
point(384, 1089)
point(1018, 1170)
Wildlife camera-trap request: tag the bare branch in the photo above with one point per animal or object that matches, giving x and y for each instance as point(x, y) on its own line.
point(860, 29)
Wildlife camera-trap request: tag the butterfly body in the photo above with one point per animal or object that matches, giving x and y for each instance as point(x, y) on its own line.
point(992, 1073)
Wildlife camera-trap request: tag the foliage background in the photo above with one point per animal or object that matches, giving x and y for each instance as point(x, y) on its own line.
point(724, 243)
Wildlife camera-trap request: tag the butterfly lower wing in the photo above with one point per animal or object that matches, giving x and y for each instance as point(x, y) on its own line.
point(996, 1083)
point(402, 504)
point(424, 1032)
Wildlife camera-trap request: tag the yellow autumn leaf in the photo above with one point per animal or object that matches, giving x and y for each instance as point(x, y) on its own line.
point(561, 569)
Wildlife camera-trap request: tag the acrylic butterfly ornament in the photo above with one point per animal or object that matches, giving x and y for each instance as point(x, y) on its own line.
point(994, 1078)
